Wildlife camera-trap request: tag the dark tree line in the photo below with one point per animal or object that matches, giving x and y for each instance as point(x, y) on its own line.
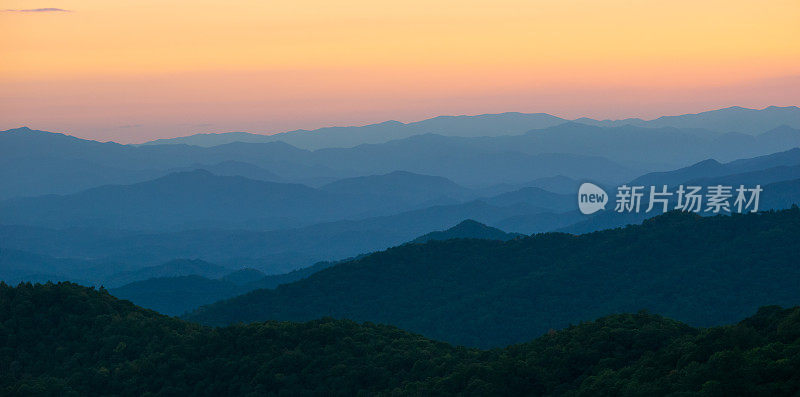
point(64, 339)
point(702, 271)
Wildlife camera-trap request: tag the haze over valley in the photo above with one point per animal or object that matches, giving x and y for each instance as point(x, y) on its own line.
point(87, 211)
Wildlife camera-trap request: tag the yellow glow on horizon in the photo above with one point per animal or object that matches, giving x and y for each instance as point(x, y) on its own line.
point(359, 49)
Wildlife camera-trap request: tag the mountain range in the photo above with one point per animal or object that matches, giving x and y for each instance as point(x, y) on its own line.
point(94, 206)
point(702, 270)
point(712, 169)
point(39, 162)
point(463, 231)
point(775, 173)
point(385, 210)
point(199, 199)
point(468, 163)
point(732, 119)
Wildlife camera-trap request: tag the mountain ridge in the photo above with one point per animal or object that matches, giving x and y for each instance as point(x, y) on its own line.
point(129, 348)
point(707, 119)
point(470, 229)
point(461, 291)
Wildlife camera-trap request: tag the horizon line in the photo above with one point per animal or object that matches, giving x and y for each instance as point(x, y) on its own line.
point(301, 130)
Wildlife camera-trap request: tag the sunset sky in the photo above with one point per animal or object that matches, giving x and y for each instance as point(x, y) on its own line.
point(132, 71)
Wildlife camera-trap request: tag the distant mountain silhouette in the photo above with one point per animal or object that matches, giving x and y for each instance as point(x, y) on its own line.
point(466, 126)
point(535, 197)
point(38, 162)
point(200, 199)
point(774, 172)
point(289, 247)
point(540, 222)
point(213, 139)
point(274, 251)
point(176, 295)
point(154, 205)
point(182, 201)
point(752, 178)
point(475, 161)
point(710, 169)
point(704, 169)
point(788, 157)
point(467, 161)
point(557, 184)
point(19, 265)
point(775, 196)
point(285, 249)
point(572, 150)
point(414, 223)
point(173, 268)
point(467, 229)
point(780, 138)
point(677, 143)
point(244, 276)
point(635, 145)
point(399, 191)
point(26, 143)
point(39, 176)
point(399, 184)
point(234, 168)
point(733, 119)
point(35, 176)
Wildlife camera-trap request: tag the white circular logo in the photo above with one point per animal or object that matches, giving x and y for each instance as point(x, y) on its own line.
point(591, 198)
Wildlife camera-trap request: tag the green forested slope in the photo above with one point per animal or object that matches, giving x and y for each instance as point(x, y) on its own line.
point(701, 270)
point(63, 339)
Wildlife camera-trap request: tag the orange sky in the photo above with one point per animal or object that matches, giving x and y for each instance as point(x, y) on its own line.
point(131, 71)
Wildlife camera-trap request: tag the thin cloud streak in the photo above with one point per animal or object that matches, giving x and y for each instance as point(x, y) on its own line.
point(40, 10)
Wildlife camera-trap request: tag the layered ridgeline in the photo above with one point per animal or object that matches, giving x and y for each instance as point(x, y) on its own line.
point(198, 199)
point(732, 119)
point(777, 173)
point(38, 162)
point(182, 292)
point(175, 288)
point(702, 270)
point(248, 212)
point(468, 229)
point(223, 205)
point(86, 255)
point(69, 340)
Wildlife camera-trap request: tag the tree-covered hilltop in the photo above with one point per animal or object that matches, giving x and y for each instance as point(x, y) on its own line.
point(467, 229)
point(64, 339)
point(701, 270)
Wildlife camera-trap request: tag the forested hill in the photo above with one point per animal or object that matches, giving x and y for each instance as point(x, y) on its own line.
point(468, 229)
point(701, 270)
point(67, 340)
